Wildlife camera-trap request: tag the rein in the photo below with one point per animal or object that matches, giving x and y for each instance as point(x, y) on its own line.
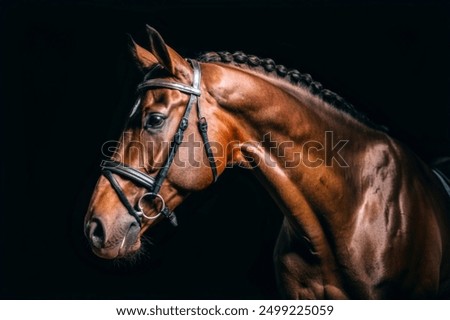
point(153, 184)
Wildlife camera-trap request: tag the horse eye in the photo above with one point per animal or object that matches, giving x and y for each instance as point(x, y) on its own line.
point(155, 121)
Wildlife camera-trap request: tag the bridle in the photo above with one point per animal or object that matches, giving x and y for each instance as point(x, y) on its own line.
point(150, 183)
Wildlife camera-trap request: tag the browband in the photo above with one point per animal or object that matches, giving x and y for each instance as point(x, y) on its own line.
point(157, 83)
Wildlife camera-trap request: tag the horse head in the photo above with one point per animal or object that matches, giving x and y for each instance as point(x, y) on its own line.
point(165, 152)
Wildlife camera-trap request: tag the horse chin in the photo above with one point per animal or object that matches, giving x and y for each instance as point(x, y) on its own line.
point(129, 251)
point(120, 251)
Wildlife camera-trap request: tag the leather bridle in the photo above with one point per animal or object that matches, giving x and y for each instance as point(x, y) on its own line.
point(150, 183)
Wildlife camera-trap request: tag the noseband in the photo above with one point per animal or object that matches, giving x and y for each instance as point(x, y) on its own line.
point(153, 184)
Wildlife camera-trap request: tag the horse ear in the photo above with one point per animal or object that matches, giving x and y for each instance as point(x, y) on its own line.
point(144, 58)
point(166, 56)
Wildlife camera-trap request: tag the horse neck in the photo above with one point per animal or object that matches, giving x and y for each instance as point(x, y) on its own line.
point(299, 146)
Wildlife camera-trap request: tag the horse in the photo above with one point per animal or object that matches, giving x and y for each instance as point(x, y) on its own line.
point(364, 216)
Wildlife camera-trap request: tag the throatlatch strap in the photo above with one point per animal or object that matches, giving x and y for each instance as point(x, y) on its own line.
point(203, 128)
point(203, 124)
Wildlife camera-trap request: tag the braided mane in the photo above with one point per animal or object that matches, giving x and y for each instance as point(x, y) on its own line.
point(292, 76)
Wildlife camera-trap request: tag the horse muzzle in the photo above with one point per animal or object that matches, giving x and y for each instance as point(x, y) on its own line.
point(113, 241)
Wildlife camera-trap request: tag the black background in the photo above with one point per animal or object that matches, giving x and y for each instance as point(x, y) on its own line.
point(67, 83)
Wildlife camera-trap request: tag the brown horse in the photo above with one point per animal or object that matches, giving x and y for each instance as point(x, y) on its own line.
point(364, 217)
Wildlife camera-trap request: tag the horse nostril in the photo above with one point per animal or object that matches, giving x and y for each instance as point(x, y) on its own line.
point(96, 233)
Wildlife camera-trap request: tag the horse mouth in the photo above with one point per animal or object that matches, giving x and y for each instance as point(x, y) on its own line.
point(129, 245)
point(117, 252)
